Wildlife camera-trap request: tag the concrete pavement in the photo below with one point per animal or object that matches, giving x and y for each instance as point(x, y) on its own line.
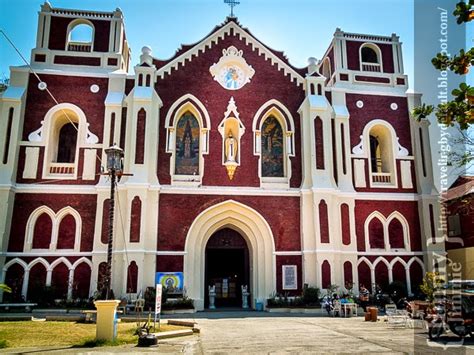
point(265, 333)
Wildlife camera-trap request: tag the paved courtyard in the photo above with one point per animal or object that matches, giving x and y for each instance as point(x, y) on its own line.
point(264, 333)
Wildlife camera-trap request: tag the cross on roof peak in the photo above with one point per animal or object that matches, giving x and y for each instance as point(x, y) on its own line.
point(232, 3)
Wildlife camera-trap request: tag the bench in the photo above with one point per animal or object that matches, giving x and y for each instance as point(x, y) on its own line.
point(27, 306)
point(91, 315)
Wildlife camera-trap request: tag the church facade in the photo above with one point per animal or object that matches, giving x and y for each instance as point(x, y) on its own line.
point(244, 170)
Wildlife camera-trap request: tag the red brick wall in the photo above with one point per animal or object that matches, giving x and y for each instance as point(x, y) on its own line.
point(409, 209)
point(59, 281)
point(345, 224)
point(353, 61)
point(104, 235)
point(363, 271)
point(177, 213)
point(82, 280)
point(67, 232)
point(395, 233)
point(319, 139)
point(169, 263)
point(38, 103)
point(268, 82)
point(58, 33)
point(140, 139)
point(378, 107)
point(323, 222)
point(42, 232)
point(25, 204)
point(135, 219)
point(348, 277)
point(376, 234)
point(132, 277)
point(325, 274)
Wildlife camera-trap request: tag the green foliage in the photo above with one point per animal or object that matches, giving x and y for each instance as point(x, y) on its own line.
point(3, 344)
point(432, 282)
point(180, 303)
point(459, 63)
point(4, 82)
point(310, 296)
point(5, 288)
point(422, 112)
point(464, 11)
point(332, 289)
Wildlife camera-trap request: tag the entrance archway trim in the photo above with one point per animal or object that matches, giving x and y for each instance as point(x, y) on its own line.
point(254, 229)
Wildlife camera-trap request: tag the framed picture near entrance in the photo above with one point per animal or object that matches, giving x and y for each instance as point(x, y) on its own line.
point(171, 281)
point(289, 278)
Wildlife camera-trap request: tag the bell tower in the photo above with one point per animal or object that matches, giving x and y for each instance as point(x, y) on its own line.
point(91, 39)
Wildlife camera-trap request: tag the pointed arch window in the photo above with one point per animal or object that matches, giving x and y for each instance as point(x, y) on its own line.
point(187, 127)
point(272, 148)
point(274, 144)
point(187, 145)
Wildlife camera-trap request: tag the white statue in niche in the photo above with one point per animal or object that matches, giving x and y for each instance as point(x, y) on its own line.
point(230, 148)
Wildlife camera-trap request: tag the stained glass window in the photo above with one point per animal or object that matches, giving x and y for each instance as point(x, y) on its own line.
point(187, 145)
point(272, 148)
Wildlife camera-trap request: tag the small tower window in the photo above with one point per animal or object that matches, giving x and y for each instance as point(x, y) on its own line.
point(67, 144)
point(375, 158)
point(370, 58)
point(381, 155)
point(80, 37)
point(369, 55)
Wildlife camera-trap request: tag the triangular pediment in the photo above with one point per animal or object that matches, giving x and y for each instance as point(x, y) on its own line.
point(230, 28)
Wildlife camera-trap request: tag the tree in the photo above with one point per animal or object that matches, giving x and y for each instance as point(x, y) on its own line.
point(432, 282)
point(4, 84)
point(458, 112)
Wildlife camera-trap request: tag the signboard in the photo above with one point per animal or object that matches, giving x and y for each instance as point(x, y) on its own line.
point(159, 291)
point(171, 281)
point(289, 277)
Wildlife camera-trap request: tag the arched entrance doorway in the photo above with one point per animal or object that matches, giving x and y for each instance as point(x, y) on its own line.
point(261, 247)
point(227, 267)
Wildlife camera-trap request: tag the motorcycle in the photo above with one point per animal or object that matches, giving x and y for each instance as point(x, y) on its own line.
point(459, 319)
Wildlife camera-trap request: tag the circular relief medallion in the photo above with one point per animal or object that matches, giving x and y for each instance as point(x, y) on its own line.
point(94, 88)
point(42, 85)
point(393, 106)
point(231, 77)
point(360, 103)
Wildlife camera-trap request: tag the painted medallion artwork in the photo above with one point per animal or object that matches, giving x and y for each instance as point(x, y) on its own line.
point(232, 77)
point(272, 148)
point(187, 146)
point(232, 71)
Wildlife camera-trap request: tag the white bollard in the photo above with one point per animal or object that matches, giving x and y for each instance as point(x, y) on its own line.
point(212, 297)
point(106, 319)
point(245, 295)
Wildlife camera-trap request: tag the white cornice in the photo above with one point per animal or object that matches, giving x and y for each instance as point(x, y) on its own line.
point(214, 38)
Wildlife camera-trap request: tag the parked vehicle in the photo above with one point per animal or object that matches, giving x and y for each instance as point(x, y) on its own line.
point(455, 312)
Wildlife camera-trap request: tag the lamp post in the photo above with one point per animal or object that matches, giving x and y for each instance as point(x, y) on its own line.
point(114, 169)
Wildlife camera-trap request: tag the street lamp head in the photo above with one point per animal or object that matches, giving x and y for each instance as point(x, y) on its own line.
point(114, 158)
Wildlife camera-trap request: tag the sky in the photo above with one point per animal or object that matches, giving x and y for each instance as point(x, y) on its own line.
point(301, 28)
